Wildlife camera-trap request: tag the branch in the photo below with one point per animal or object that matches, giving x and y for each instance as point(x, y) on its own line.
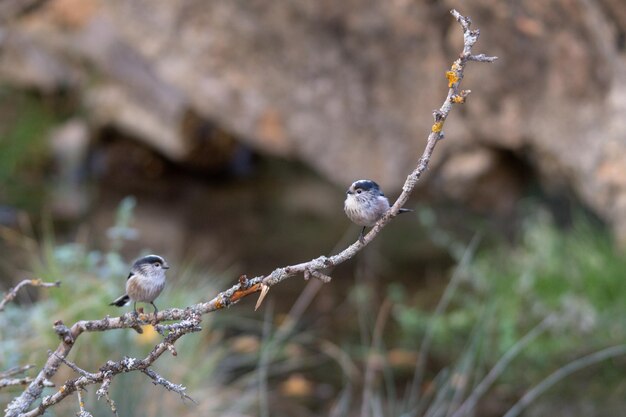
point(10, 382)
point(191, 317)
point(7, 378)
point(105, 374)
point(12, 293)
point(15, 371)
point(159, 380)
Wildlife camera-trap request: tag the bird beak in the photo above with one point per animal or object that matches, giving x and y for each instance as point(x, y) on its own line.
point(349, 192)
point(166, 266)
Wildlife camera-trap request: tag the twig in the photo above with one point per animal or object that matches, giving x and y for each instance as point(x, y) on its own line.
point(12, 293)
point(15, 371)
point(75, 367)
point(7, 377)
point(103, 391)
point(564, 372)
point(11, 382)
point(245, 287)
point(110, 369)
point(159, 380)
point(81, 405)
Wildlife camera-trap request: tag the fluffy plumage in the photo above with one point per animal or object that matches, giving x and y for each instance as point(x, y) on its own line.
point(145, 282)
point(365, 204)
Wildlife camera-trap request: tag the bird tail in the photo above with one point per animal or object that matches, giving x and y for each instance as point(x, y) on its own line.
point(120, 302)
point(405, 210)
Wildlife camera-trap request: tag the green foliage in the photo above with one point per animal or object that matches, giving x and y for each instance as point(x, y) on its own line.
point(576, 274)
point(90, 279)
point(23, 148)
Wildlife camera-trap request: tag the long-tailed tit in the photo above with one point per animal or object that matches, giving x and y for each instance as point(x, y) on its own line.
point(365, 204)
point(145, 282)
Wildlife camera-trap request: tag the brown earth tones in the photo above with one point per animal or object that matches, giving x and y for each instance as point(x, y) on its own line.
point(348, 87)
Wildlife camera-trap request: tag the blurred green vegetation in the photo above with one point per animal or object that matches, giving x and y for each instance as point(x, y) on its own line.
point(574, 273)
point(24, 123)
point(424, 358)
point(90, 280)
point(222, 366)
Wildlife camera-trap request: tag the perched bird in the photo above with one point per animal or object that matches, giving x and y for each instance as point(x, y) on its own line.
point(145, 282)
point(365, 204)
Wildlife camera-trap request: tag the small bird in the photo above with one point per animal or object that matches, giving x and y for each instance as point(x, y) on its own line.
point(145, 282)
point(365, 204)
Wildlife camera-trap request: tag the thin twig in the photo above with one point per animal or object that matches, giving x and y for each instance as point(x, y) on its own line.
point(81, 405)
point(159, 380)
point(75, 367)
point(103, 391)
point(15, 371)
point(12, 293)
point(11, 382)
point(245, 287)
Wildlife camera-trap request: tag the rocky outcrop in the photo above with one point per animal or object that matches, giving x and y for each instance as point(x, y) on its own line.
point(349, 86)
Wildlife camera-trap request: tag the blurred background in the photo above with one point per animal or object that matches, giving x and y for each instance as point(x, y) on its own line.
point(222, 135)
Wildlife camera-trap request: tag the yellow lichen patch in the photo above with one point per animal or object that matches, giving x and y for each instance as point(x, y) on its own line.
point(457, 99)
point(149, 335)
point(452, 78)
point(455, 67)
point(437, 127)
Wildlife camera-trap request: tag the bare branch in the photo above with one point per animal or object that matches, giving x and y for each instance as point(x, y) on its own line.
point(317, 274)
point(106, 372)
point(12, 293)
point(191, 317)
point(15, 371)
point(10, 382)
point(159, 380)
point(7, 378)
point(103, 391)
point(75, 368)
point(81, 406)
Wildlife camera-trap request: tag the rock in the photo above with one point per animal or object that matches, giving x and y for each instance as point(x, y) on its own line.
point(488, 180)
point(348, 87)
point(69, 143)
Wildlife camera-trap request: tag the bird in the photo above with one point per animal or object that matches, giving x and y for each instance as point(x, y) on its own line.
point(365, 204)
point(144, 283)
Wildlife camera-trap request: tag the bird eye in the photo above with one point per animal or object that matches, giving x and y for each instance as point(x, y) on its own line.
point(157, 264)
point(359, 191)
